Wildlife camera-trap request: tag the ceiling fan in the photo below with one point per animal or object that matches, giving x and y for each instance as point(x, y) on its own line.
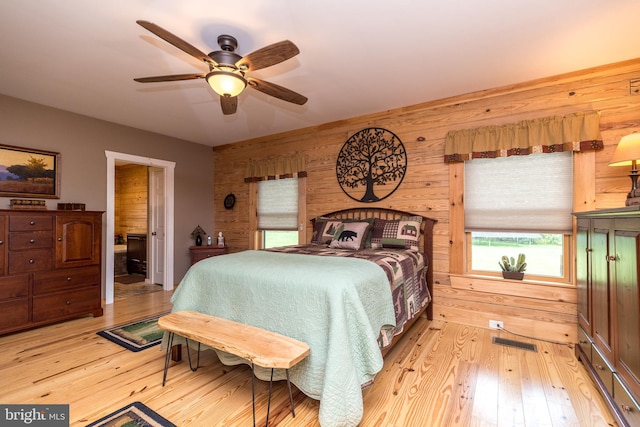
point(227, 70)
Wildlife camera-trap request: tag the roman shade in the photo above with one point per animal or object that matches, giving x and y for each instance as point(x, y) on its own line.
point(278, 204)
point(519, 194)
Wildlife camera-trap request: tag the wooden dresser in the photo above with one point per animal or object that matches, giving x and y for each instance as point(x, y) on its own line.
point(607, 275)
point(50, 267)
point(202, 252)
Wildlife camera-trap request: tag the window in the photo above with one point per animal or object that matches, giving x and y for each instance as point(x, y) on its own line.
point(278, 212)
point(520, 204)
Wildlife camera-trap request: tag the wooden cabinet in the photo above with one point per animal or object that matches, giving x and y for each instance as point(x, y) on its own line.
point(202, 252)
point(607, 276)
point(50, 267)
point(78, 239)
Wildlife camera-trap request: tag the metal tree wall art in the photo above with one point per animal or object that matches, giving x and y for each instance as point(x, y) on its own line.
point(369, 163)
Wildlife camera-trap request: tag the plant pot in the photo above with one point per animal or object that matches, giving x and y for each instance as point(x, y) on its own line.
point(513, 275)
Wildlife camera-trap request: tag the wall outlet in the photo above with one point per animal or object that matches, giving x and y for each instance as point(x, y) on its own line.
point(496, 324)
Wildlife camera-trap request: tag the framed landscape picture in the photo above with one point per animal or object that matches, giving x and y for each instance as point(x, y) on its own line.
point(25, 172)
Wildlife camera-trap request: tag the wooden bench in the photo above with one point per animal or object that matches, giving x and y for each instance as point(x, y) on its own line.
point(260, 347)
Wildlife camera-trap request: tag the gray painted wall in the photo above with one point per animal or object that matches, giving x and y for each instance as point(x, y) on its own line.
point(82, 141)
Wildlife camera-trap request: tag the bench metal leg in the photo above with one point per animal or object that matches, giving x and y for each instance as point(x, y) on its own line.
point(189, 357)
point(253, 392)
point(293, 410)
point(269, 401)
point(253, 395)
point(167, 357)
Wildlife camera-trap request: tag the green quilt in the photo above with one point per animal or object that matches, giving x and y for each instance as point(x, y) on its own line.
point(336, 305)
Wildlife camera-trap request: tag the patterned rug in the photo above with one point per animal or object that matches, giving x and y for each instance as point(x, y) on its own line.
point(133, 284)
point(127, 279)
point(136, 414)
point(136, 336)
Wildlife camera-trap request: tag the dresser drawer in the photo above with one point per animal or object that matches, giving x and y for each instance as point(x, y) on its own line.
point(26, 262)
point(198, 253)
point(68, 279)
point(30, 223)
point(602, 369)
point(14, 313)
point(14, 287)
point(30, 240)
point(629, 408)
point(584, 342)
point(66, 304)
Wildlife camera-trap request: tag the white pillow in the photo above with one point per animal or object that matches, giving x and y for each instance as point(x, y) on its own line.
point(350, 235)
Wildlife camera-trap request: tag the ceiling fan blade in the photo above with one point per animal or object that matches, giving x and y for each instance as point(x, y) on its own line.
point(229, 104)
point(268, 56)
point(171, 78)
point(175, 40)
point(277, 91)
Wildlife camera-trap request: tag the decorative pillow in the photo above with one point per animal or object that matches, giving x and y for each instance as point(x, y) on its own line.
point(350, 235)
point(324, 228)
point(398, 233)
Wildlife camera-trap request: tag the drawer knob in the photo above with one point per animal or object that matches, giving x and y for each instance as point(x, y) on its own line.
point(68, 278)
point(583, 341)
point(32, 222)
point(59, 239)
point(31, 261)
point(626, 408)
point(32, 241)
point(598, 366)
point(68, 302)
point(1, 242)
point(611, 258)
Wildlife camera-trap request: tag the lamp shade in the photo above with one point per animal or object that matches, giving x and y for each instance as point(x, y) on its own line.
point(627, 151)
point(226, 83)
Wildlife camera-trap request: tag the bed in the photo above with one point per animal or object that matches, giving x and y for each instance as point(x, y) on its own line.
point(344, 302)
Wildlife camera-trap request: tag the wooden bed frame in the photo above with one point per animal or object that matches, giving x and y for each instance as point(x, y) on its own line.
point(426, 241)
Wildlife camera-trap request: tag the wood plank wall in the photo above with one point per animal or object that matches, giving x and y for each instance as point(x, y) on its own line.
point(131, 199)
point(431, 187)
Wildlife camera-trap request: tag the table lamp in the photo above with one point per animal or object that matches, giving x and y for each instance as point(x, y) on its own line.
point(628, 154)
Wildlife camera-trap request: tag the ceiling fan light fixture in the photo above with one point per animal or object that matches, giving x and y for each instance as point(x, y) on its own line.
point(226, 83)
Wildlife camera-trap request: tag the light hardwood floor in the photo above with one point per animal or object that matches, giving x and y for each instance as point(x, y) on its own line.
point(440, 374)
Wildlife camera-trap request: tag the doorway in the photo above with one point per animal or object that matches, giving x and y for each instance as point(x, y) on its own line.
point(161, 211)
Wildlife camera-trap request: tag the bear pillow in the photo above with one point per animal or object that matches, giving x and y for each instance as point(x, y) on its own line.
point(350, 235)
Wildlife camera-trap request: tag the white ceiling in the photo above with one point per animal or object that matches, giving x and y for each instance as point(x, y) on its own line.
point(357, 56)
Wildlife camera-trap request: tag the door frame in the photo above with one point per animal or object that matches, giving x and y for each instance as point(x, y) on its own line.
point(168, 167)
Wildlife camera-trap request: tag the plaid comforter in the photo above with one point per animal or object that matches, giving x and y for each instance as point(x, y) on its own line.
point(405, 269)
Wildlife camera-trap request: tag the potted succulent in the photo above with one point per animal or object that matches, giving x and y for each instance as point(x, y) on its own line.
point(512, 269)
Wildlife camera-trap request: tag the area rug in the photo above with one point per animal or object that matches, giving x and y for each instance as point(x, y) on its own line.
point(127, 279)
point(136, 414)
point(136, 336)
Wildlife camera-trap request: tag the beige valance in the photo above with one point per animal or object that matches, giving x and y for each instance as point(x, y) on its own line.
point(573, 132)
point(281, 167)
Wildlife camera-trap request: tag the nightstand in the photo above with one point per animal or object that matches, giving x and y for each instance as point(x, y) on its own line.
point(201, 252)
